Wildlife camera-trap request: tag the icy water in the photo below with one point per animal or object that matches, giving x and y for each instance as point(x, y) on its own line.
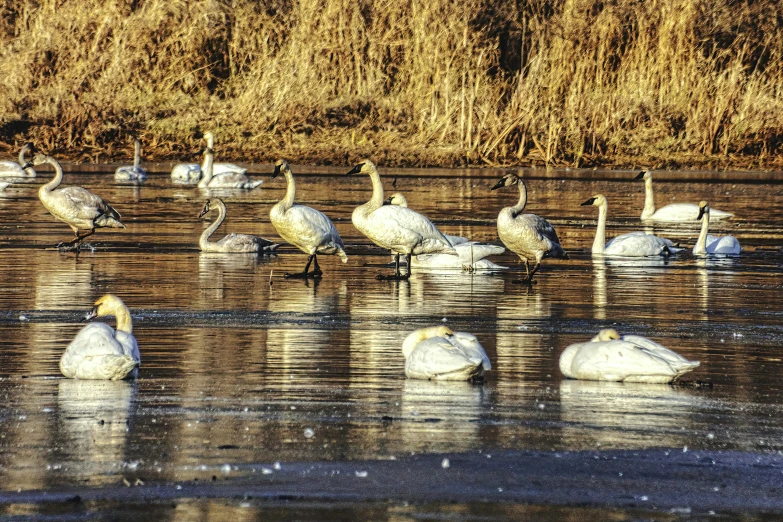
point(295, 390)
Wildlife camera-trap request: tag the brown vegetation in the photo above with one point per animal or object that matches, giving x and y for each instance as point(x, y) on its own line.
point(445, 82)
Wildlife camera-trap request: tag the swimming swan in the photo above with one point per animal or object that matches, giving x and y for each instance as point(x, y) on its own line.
point(527, 235)
point(709, 244)
point(232, 243)
point(306, 228)
point(399, 229)
point(439, 353)
point(633, 244)
point(77, 207)
point(191, 172)
point(401, 201)
point(100, 352)
point(628, 358)
point(132, 174)
point(225, 180)
point(13, 169)
point(674, 211)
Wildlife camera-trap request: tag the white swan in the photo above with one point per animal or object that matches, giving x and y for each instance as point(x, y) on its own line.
point(79, 208)
point(399, 229)
point(439, 353)
point(308, 229)
point(225, 180)
point(527, 235)
point(709, 244)
point(134, 173)
point(633, 244)
point(12, 169)
point(100, 352)
point(470, 258)
point(628, 358)
point(232, 243)
point(674, 211)
point(191, 172)
point(401, 201)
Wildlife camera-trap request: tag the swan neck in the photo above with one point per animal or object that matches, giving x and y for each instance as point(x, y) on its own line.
point(124, 323)
point(599, 244)
point(207, 169)
point(377, 190)
point(522, 203)
point(203, 241)
point(137, 154)
point(22, 161)
point(701, 243)
point(290, 191)
point(649, 199)
point(58, 178)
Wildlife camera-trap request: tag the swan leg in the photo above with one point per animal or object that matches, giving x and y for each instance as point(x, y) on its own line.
point(397, 275)
point(304, 274)
point(74, 245)
point(316, 269)
point(529, 275)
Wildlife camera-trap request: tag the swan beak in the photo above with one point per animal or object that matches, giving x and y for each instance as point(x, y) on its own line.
point(92, 314)
point(276, 172)
point(27, 165)
point(356, 169)
point(388, 201)
point(640, 175)
point(588, 202)
point(501, 183)
point(701, 213)
point(203, 211)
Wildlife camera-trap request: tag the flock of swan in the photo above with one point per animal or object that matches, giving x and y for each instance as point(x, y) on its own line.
point(101, 352)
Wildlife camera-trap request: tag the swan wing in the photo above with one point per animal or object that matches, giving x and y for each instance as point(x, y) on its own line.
point(311, 227)
point(436, 358)
point(473, 251)
point(221, 168)
point(727, 245)
point(542, 228)
point(129, 345)
point(685, 212)
point(80, 203)
point(12, 169)
point(657, 350)
point(400, 229)
point(472, 348)
point(624, 361)
point(190, 172)
point(636, 245)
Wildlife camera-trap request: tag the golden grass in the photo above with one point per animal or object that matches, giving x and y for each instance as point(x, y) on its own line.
point(444, 82)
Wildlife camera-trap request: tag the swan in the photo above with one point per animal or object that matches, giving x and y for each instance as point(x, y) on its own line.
point(12, 169)
point(76, 206)
point(633, 244)
point(674, 211)
point(232, 243)
point(628, 358)
point(709, 244)
point(225, 180)
point(527, 235)
point(399, 229)
point(191, 172)
point(470, 258)
point(399, 199)
point(437, 352)
point(132, 174)
point(308, 229)
point(100, 352)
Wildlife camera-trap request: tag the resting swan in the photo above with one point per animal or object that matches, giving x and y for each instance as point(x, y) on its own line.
point(674, 211)
point(78, 207)
point(191, 172)
point(527, 235)
point(439, 353)
point(628, 358)
point(132, 174)
point(633, 244)
point(232, 243)
point(13, 169)
point(225, 180)
point(100, 352)
point(306, 228)
point(401, 201)
point(709, 244)
point(399, 229)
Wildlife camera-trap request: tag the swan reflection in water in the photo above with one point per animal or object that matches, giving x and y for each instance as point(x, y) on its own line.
point(95, 419)
point(626, 416)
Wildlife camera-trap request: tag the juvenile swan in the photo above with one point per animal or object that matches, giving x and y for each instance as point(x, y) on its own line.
point(439, 353)
point(527, 235)
point(401, 201)
point(633, 244)
point(709, 244)
point(78, 207)
point(306, 228)
point(225, 180)
point(134, 173)
point(100, 352)
point(399, 229)
point(628, 358)
point(232, 243)
point(674, 211)
point(13, 169)
point(191, 172)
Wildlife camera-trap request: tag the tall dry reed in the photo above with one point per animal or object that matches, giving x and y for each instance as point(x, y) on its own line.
point(577, 82)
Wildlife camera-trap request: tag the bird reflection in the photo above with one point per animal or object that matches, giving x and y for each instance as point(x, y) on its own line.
point(65, 283)
point(599, 287)
point(619, 415)
point(94, 418)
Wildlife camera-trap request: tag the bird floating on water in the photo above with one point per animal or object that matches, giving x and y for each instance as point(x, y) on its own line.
point(709, 244)
point(21, 169)
point(191, 172)
point(226, 179)
point(672, 212)
point(232, 243)
point(133, 173)
point(437, 352)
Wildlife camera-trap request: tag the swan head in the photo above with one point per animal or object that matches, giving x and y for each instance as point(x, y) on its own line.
point(281, 165)
point(397, 199)
point(421, 334)
point(210, 138)
point(608, 334)
point(507, 180)
point(704, 208)
point(209, 205)
point(109, 304)
point(645, 175)
point(364, 167)
point(39, 159)
point(28, 147)
point(596, 201)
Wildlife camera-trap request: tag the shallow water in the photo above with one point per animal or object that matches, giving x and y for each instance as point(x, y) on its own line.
point(240, 372)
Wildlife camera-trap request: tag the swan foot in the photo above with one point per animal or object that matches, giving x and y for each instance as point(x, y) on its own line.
point(525, 281)
point(395, 277)
point(67, 246)
point(304, 275)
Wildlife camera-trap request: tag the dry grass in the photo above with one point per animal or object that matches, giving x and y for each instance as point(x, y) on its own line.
point(444, 82)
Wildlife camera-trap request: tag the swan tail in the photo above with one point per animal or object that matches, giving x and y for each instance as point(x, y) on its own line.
point(253, 184)
point(558, 252)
